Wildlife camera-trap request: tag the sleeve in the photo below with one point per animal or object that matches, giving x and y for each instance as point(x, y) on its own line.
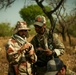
point(11, 52)
point(32, 54)
point(59, 46)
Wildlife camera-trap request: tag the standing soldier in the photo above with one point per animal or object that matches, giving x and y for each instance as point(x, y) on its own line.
point(20, 53)
point(44, 46)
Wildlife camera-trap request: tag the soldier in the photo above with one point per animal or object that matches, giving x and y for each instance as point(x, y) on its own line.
point(45, 46)
point(57, 67)
point(20, 53)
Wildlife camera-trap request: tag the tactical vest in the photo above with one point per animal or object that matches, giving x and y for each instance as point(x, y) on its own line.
point(45, 42)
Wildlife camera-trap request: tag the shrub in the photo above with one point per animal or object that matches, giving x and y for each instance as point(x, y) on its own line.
point(5, 29)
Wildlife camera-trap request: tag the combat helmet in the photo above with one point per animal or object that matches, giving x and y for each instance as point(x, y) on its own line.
point(40, 20)
point(21, 26)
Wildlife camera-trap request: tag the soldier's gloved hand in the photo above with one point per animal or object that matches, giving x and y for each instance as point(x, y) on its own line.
point(48, 52)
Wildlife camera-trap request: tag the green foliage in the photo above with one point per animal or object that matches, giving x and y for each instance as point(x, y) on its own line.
point(72, 27)
point(29, 13)
point(5, 29)
point(72, 30)
point(32, 31)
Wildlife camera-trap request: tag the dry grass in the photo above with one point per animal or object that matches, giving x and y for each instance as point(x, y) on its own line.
point(3, 60)
point(68, 57)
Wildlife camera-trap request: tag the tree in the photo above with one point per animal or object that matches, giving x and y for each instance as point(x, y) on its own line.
point(6, 3)
point(66, 23)
point(47, 13)
point(29, 13)
point(72, 27)
point(50, 12)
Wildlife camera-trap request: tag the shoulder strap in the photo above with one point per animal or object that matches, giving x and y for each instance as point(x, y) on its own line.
point(51, 41)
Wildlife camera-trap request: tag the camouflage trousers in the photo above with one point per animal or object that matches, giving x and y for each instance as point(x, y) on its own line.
point(25, 69)
point(22, 69)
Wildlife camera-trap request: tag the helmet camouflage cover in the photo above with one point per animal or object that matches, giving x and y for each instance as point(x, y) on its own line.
point(21, 26)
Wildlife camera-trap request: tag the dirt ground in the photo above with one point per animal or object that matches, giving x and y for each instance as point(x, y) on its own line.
point(69, 57)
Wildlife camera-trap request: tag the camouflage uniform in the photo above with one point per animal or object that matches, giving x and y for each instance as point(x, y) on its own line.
point(69, 72)
point(45, 41)
point(17, 50)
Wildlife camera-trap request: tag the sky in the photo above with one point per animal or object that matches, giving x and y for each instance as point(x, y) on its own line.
point(11, 14)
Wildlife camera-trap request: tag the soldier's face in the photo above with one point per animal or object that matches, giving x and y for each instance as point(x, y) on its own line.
point(39, 30)
point(23, 33)
point(62, 71)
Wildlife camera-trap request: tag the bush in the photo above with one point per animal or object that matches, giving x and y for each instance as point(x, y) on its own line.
point(5, 29)
point(72, 30)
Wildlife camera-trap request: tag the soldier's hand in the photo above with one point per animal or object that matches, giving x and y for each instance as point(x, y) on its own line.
point(48, 52)
point(26, 46)
point(39, 48)
point(31, 52)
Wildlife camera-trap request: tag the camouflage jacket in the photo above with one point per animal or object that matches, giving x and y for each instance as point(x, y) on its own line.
point(44, 42)
point(16, 50)
point(69, 72)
